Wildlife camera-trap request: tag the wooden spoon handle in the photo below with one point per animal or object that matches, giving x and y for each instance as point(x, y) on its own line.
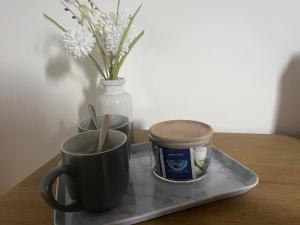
point(103, 131)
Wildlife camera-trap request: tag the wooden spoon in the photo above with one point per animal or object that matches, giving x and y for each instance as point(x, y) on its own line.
point(94, 148)
point(103, 131)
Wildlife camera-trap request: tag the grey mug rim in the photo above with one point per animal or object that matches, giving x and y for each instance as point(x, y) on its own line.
point(123, 125)
point(92, 154)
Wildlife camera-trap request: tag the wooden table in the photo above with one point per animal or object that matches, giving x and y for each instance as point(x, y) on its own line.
point(276, 199)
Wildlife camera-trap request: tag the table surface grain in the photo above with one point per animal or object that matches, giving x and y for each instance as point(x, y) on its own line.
point(275, 200)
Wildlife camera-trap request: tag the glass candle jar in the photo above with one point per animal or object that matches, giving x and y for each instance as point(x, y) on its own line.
point(181, 149)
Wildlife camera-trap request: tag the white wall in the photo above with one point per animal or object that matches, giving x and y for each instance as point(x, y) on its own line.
point(233, 64)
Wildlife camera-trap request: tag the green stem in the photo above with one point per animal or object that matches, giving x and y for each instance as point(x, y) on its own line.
point(97, 66)
point(122, 41)
point(132, 44)
point(100, 48)
point(117, 16)
point(54, 22)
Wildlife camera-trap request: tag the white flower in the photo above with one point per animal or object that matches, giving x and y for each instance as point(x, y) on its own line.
point(113, 34)
point(78, 41)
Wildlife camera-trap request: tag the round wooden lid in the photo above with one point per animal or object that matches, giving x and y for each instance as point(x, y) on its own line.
point(180, 131)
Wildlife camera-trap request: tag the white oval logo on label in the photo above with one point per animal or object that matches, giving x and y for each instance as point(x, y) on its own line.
point(177, 165)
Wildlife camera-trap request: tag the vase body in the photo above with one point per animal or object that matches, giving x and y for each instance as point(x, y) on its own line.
point(115, 100)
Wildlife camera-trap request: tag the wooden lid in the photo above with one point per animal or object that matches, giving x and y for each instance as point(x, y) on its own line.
point(180, 131)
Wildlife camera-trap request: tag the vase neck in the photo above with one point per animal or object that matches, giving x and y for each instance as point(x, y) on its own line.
point(114, 89)
point(113, 86)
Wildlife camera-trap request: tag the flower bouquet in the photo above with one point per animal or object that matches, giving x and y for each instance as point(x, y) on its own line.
point(103, 37)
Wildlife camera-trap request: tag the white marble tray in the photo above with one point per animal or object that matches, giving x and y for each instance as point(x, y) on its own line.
point(149, 197)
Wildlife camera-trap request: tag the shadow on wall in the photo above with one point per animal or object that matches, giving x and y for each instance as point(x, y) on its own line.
point(35, 144)
point(93, 90)
point(288, 113)
point(60, 65)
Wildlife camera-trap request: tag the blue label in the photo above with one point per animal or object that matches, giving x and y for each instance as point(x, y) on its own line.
point(177, 163)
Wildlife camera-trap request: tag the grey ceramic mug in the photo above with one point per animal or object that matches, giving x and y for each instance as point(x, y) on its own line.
point(117, 122)
point(95, 181)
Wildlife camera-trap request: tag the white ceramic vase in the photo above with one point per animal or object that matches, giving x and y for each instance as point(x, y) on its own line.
point(115, 100)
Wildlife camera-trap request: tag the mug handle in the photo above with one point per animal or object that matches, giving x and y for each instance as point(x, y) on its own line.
point(46, 189)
